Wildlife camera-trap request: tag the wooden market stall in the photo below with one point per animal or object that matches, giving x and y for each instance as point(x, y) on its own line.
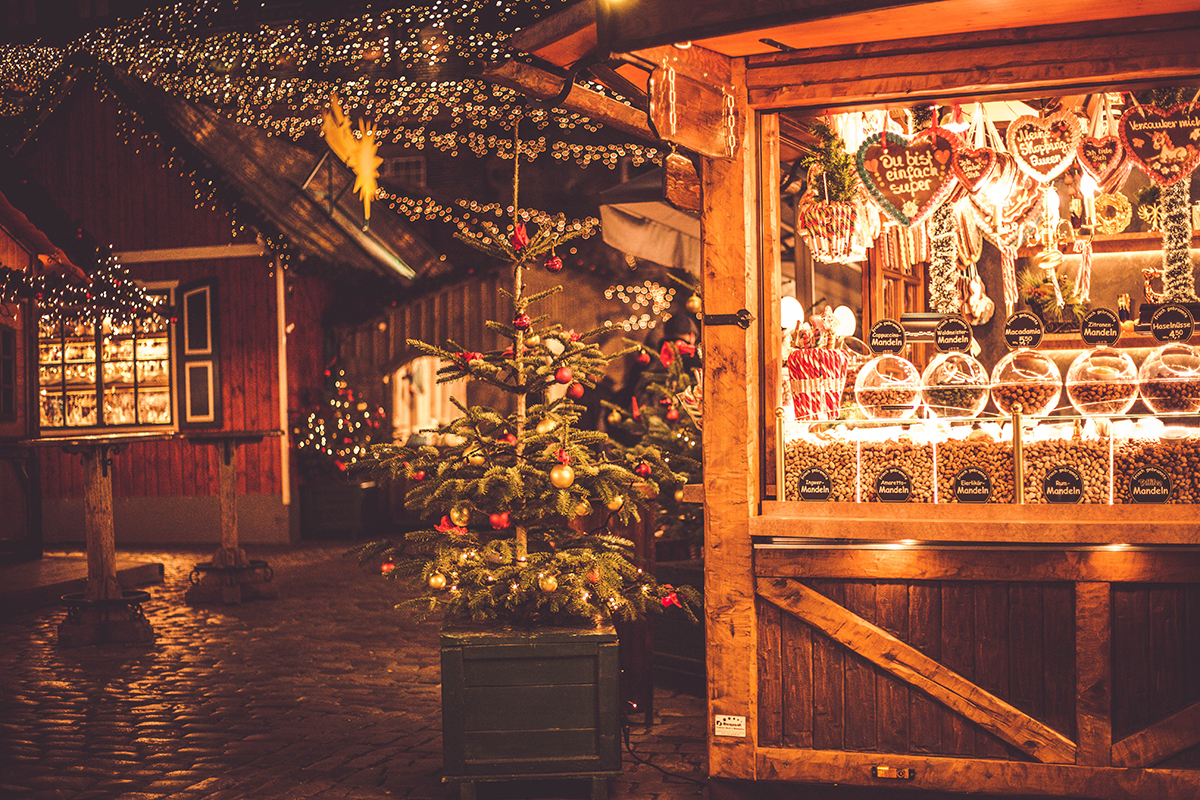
point(1007, 649)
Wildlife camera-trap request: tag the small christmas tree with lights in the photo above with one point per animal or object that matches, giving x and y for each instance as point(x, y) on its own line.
point(506, 497)
point(339, 431)
point(664, 417)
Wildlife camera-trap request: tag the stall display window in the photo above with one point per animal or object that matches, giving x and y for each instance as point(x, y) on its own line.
point(107, 375)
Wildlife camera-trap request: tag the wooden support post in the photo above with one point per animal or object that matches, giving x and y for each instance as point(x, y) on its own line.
point(1093, 656)
point(730, 282)
point(102, 583)
point(230, 554)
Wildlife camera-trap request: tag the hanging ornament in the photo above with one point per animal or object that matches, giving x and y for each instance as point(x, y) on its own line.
point(642, 470)
point(476, 458)
point(1162, 143)
point(909, 177)
point(521, 322)
point(583, 508)
point(694, 304)
point(547, 583)
point(614, 417)
point(520, 237)
point(944, 297)
point(387, 567)
point(643, 357)
point(678, 495)
point(672, 413)
point(533, 340)
point(553, 263)
point(499, 521)
point(437, 581)
point(460, 515)
point(546, 426)
point(562, 476)
point(615, 503)
point(593, 576)
point(575, 391)
point(1044, 147)
point(419, 475)
point(1113, 213)
point(564, 375)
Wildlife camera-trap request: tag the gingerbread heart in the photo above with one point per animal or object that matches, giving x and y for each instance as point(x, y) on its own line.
point(909, 177)
point(1022, 202)
point(1100, 157)
point(1163, 144)
point(1044, 146)
point(973, 166)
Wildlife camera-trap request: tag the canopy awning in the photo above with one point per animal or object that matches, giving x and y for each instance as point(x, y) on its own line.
point(637, 220)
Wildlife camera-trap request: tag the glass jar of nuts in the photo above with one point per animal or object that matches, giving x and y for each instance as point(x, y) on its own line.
point(1170, 379)
point(954, 385)
point(1102, 380)
point(1027, 377)
point(888, 387)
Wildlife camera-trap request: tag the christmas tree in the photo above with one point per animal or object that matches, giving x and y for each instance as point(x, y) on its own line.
point(339, 431)
point(663, 418)
point(510, 491)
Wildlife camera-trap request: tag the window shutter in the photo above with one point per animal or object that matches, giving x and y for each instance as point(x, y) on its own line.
point(199, 377)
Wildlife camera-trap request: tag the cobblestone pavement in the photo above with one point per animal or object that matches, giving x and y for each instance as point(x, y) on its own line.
point(326, 692)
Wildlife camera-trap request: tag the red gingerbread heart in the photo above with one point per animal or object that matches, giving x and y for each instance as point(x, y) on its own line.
point(1101, 157)
point(1044, 147)
point(1163, 144)
point(909, 177)
point(973, 166)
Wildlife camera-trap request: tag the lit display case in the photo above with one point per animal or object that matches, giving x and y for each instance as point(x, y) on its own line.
point(106, 375)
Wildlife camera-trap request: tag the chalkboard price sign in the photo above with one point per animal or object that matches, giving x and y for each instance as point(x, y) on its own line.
point(1150, 485)
point(893, 486)
point(815, 485)
point(972, 485)
point(1023, 329)
point(1063, 485)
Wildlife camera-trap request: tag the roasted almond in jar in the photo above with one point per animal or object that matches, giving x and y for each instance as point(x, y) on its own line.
point(1029, 378)
point(916, 460)
point(993, 458)
point(836, 458)
point(1102, 381)
point(888, 387)
point(1170, 379)
point(1087, 457)
point(954, 385)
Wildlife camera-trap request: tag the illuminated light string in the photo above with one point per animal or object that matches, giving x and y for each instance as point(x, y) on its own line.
point(278, 77)
point(470, 217)
point(649, 295)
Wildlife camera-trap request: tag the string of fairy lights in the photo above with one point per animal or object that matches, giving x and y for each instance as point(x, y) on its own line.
point(647, 295)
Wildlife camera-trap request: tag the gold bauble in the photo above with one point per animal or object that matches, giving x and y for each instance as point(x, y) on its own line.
point(533, 340)
point(546, 426)
point(460, 515)
point(694, 304)
point(583, 509)
point(615, 503)
point(679, 495)
point(562, 476)
point(614, 417)
point(475, 458)
point(437, 581)
point(547, 583)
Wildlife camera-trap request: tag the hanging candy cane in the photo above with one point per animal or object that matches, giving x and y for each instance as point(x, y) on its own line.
point(1083, 286)
point(1008, 269)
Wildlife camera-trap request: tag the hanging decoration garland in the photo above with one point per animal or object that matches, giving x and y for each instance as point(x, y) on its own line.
point(1179, 283)
point(943, 263)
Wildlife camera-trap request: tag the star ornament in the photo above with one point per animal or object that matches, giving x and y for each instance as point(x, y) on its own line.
point(359, 152)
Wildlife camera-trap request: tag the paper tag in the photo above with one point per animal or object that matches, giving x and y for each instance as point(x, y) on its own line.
point(728, 725)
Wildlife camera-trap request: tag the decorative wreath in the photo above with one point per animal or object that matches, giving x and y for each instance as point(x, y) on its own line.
point(1113, 213)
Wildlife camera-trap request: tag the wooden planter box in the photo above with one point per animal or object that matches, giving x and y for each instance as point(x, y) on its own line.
point(530, 704)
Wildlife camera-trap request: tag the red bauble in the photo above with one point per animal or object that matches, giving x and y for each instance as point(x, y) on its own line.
point(575, 391)
point(419, 475)
point(564, 375)
point(672, 413)
point(643, 357)
point(386, 567)
point(642, 470)
point(553, 263)
point(521, 322)
point(510, 438)
point(499, 521)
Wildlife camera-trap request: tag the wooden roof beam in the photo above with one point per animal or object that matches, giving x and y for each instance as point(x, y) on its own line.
point(542, 85)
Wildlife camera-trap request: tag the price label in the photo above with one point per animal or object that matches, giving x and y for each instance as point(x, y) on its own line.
point(1023, 329)
point(972, 485)
point(1172, 323)
point(1101, 326)
point(886, 336)
point(1063, 485)
point(893, 486)
point(1150, 485)
point(815, 485)
point(952, 334)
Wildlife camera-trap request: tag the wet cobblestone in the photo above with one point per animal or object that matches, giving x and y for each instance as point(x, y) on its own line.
point(327, 692)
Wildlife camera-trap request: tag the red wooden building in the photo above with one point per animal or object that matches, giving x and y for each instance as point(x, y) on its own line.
point(211, 217)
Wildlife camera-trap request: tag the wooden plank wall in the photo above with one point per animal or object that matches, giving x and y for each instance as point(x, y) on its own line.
point(1014, 639)
point(118, 186)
